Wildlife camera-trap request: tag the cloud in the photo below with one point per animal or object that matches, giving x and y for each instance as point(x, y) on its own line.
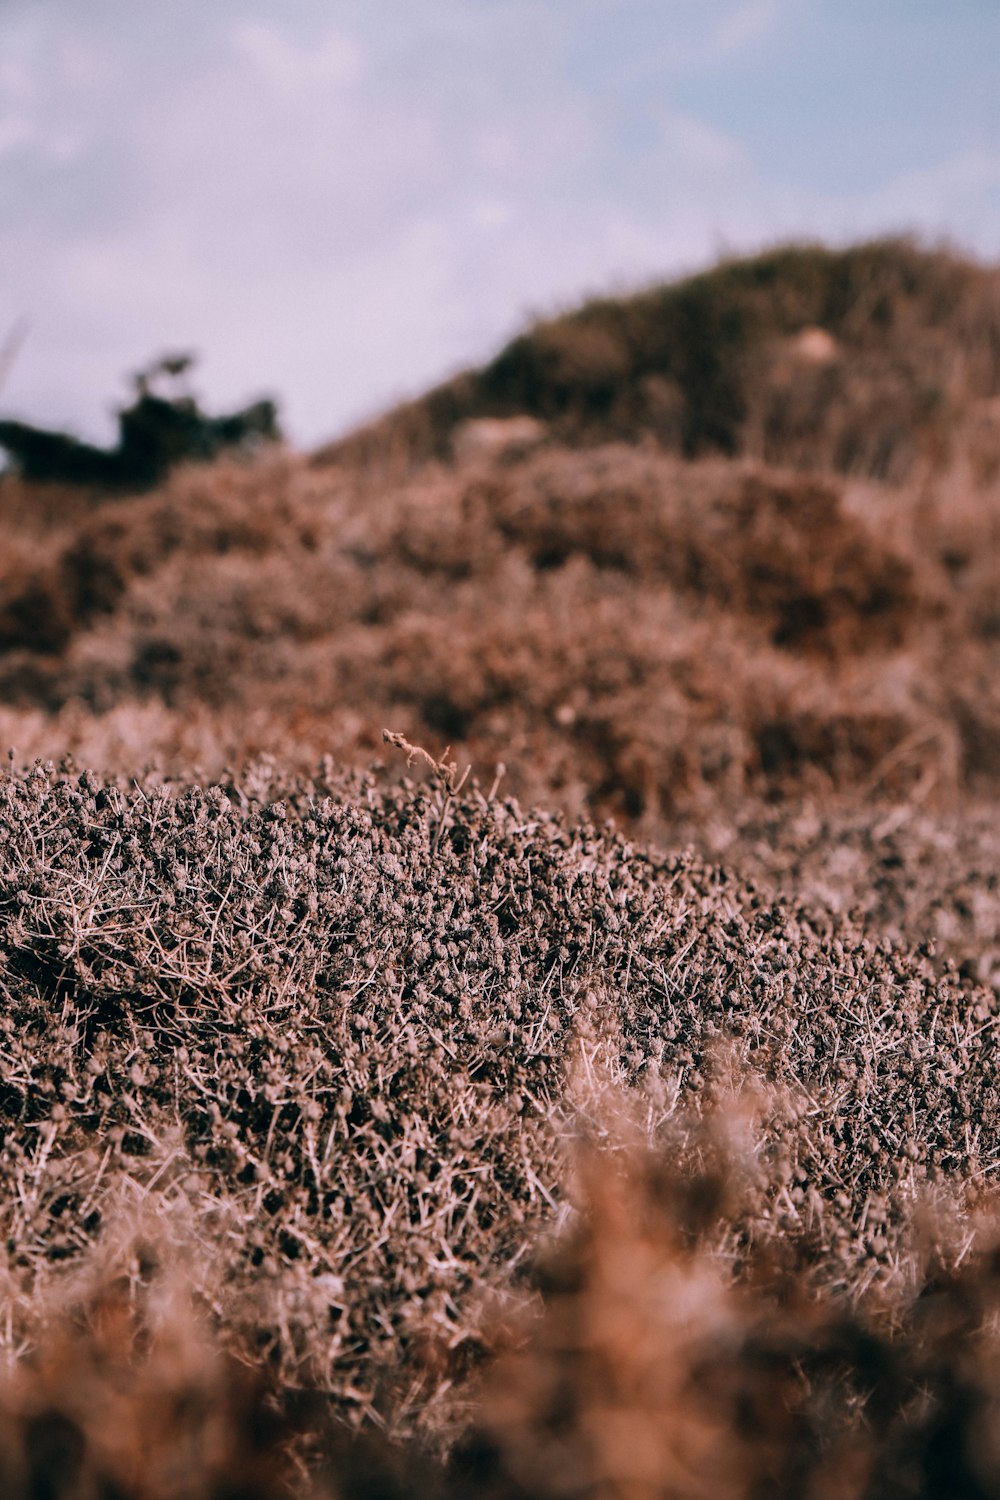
point(15, 131)
point(31, 116)
point(745, 25)
point(336, 239)
point(693, 148)
point(957, 198)
point(334, 60)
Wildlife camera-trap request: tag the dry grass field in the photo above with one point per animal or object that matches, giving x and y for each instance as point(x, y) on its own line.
point(615, 1117)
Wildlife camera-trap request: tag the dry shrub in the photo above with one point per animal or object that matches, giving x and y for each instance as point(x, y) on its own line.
point(42, 511)
point(637, 1359)
point(741, 632)
point(118, 1398)
point(30, 615)
point(134, 1379)
point(677, 646)
point(645, 1370)
point(115, 543)
point(332, 1024)
point(762, 547)
point(899, 869)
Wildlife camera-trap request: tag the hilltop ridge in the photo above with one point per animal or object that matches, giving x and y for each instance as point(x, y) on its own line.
point(880, 360)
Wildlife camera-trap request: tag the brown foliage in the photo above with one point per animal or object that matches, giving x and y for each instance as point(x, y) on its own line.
point(632, 1363)
point(744, 631)
point(108, 1405)
point(647, 1372)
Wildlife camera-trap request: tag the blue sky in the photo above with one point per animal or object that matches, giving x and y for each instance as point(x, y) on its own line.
point(342, 201)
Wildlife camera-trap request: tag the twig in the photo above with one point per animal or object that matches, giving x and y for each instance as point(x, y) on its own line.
point(445, 768)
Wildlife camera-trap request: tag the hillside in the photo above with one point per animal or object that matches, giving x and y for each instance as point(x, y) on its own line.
point(685, 647)
point(617, 1117)
point(882, 360)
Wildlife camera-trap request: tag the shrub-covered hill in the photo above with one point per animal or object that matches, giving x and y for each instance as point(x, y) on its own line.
point(632, 633)
point(882, 359)
point(705, 651)
point(318, 1047)
point(670, 644)
point(343, 1033)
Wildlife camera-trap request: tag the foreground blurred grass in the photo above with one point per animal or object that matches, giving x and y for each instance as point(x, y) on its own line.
point(630, 1363)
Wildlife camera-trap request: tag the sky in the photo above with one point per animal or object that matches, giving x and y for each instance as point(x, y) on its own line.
point(341, 202)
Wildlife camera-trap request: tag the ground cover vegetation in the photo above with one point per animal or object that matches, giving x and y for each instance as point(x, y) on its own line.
point(618, 1118)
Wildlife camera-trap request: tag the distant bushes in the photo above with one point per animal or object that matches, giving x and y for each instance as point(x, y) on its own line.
point(631, 634)
point(662, 633)
point(107, 550)
point(156, 432)
point(779, 552)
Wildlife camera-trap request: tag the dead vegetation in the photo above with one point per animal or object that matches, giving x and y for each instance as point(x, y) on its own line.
point(690, 649)
point(485, 1152)
point(629, 1363)
point(335, 1022)
point(747, 632)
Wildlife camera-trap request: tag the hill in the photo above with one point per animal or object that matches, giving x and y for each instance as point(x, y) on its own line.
point(619, 1117)
point(882, 360)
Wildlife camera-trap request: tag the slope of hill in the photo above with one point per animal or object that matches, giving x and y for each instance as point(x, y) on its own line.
point(336, 1025)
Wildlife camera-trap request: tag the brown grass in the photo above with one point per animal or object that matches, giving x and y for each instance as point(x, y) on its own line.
point(631, 1363)
point(646, 1372)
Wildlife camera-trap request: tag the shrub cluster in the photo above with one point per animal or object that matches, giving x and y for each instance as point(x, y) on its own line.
point(631, 635)
point(914, 876)
point(337, 1023)
point(692, 649)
